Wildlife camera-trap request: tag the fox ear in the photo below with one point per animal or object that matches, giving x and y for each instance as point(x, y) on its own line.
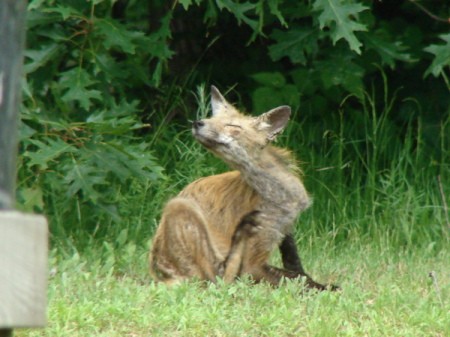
point(274, 121)
point(218, 103)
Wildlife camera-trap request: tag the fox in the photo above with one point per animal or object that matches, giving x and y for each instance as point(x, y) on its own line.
point(228, 225)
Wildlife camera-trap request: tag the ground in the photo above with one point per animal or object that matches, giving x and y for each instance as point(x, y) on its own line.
point(384, 293)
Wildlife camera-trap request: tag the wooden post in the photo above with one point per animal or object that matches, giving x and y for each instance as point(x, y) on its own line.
point(12, 27)
point(23, 270)
point(23, 238)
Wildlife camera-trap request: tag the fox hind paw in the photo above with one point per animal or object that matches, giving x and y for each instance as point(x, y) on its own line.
point(249, 223)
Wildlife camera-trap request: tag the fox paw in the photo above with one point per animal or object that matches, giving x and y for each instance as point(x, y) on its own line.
point(249, 224)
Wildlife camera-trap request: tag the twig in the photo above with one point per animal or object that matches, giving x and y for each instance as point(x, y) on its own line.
point(432, 275)
point(431, 15)
point(444, 202)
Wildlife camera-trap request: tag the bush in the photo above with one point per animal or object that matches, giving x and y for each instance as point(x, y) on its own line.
point(107, 83)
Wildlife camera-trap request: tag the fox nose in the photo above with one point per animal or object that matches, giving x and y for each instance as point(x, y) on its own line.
point(198, 124)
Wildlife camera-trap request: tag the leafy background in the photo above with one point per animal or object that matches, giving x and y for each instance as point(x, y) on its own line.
point(110, 88)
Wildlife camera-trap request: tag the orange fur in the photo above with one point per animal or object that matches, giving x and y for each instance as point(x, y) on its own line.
point(206, 230)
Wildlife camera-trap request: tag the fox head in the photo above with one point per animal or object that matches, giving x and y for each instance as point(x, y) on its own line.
point(234, 136)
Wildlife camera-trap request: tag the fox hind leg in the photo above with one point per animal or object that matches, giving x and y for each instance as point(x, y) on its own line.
point(256, 258)
point(182, 246)
point(232, 265)
point(293, 267)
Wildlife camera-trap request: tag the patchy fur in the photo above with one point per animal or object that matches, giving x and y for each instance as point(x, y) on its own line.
point(227, 225)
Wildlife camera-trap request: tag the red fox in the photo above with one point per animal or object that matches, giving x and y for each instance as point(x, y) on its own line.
point(228, 225)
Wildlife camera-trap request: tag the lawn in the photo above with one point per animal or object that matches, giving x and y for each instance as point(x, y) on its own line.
point(385, 292)
point(105, 137)
point(378, 228)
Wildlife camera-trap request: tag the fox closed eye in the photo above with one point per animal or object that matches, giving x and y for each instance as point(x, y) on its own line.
point(234, 126)
point(234, 129)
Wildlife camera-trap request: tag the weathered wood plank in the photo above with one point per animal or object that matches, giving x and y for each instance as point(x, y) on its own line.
point(12, 37)
point(23, 270)
point(23, 238)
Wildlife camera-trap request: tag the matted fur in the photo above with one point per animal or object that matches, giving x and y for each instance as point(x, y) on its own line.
point(227, 225)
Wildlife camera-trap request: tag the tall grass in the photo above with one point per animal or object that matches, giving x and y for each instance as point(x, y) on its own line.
point(371, 177)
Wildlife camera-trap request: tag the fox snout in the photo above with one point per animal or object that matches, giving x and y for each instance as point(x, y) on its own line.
point(204, 134)
point(198, 128)
point(198, 124)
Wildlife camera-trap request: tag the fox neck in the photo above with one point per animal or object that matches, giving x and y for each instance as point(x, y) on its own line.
point(271, 177)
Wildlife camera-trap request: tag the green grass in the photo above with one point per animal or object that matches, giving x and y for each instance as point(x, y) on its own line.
point(385, 292)
point(378, 228)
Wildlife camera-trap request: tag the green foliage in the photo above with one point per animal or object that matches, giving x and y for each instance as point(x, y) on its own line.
point(295, 44)
point(79, 167)
point(337, 41)
point(273, 91)
point(80, 116)
point(108, 93)
point(387, 48)
point(340, 17)
point(441, 56)
point(240, 10)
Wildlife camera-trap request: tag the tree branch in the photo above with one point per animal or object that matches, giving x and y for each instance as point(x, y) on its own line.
point(431, 15)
